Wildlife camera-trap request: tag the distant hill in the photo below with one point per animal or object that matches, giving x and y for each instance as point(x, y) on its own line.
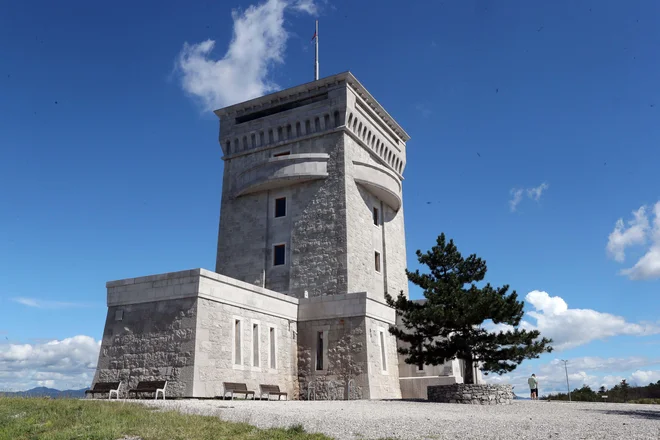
point(48, 392)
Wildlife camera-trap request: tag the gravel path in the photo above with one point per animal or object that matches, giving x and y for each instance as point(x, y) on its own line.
point(422, 420)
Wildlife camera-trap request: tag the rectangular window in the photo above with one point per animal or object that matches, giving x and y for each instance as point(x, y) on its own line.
point(255, 345)
point(280, 207)
point(262, 139)
point(420, 368)
point(237, 342)
point(319, 351)
point(383, 358)
point(376, 217)
point(271, 353)
point(377, 261)
point(308, 127)
point(279, 252)
point(271, 137)
point(283, 153)
point(254, 140)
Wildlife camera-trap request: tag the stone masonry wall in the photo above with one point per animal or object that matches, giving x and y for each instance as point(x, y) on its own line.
point(471, 394)
point(314, 228)
point(346, 359)
point(152, 341)
point(318, 235)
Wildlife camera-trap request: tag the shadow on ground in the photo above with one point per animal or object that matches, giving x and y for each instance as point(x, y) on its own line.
point(637, 414)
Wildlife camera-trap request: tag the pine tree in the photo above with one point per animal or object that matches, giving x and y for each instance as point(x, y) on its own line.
point(448, 324)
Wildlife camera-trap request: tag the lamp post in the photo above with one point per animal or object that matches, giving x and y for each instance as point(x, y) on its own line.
point(568, 387)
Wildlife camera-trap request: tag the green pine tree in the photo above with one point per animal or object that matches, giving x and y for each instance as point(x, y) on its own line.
point(449, 324)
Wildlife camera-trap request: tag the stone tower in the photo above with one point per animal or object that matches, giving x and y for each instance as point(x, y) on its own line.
point(311, 236)
point(311, 197)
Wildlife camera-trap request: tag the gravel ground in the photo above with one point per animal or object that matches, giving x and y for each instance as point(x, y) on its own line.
point(422, 420)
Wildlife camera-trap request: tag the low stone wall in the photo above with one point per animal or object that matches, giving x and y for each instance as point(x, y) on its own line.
point(471, 394)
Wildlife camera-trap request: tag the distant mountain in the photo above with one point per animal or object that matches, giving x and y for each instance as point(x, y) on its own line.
point(48, 392)
point(517, 397)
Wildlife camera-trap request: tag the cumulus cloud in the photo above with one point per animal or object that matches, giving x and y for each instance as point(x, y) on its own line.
point(66, 363)
point(532, 193)
point(642, 378)
point(570, 328)
point(44, 304)
point(639, 231)
point(592, 371)
point(258, 43)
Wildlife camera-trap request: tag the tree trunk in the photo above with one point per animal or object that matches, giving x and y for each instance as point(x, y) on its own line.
point(468, 374)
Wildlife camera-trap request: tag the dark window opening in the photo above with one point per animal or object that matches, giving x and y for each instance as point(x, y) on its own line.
point(283, 153)
point(317, 124)
point(319, 351)
point(280, 108)
point(279, 255)
point(280, 207)
point(337, 120)
point(376, 217)
point(377, 261)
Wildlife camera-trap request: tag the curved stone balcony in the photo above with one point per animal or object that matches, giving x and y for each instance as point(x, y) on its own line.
point(379, 181)
point(276, 172)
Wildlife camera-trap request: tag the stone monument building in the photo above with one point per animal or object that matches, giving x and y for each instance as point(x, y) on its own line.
point(311, 236)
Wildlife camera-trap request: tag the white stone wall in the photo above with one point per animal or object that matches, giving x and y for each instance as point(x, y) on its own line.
point(215, 361)
point(383, 378)
point(364, 238)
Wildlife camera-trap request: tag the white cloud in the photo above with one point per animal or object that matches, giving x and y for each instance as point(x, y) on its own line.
point(642, 378)
point(535, 193)
point(570, 328)
point(516, 197)
point(592, 371)
point(258, 43)
point(45, 304)
point(638, 232)
point(532, 193)
point(307, 6)
point(67, 363)
point(620, 237)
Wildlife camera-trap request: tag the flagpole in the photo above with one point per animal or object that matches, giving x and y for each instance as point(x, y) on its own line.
point(316, 57)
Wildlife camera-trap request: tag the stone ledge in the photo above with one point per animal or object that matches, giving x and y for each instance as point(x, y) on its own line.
point(471, 394)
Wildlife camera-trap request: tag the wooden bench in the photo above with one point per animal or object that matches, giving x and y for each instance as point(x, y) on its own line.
point(272, 390)
point(105, 387)
point(149, 386)
point(236, 388)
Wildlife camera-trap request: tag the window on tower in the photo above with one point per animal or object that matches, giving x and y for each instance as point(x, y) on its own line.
point(279, 255)
point(280, 207)
point(377, 261)
point(376, 217)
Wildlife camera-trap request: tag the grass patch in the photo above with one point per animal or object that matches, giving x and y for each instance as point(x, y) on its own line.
point(65, 419)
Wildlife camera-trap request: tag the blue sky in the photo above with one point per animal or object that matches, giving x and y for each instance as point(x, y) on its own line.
point(110, 167)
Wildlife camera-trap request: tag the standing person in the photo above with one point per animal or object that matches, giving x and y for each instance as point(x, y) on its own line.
point(533, 387)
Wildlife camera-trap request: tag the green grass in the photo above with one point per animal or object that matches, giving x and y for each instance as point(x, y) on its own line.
point(66, 419)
